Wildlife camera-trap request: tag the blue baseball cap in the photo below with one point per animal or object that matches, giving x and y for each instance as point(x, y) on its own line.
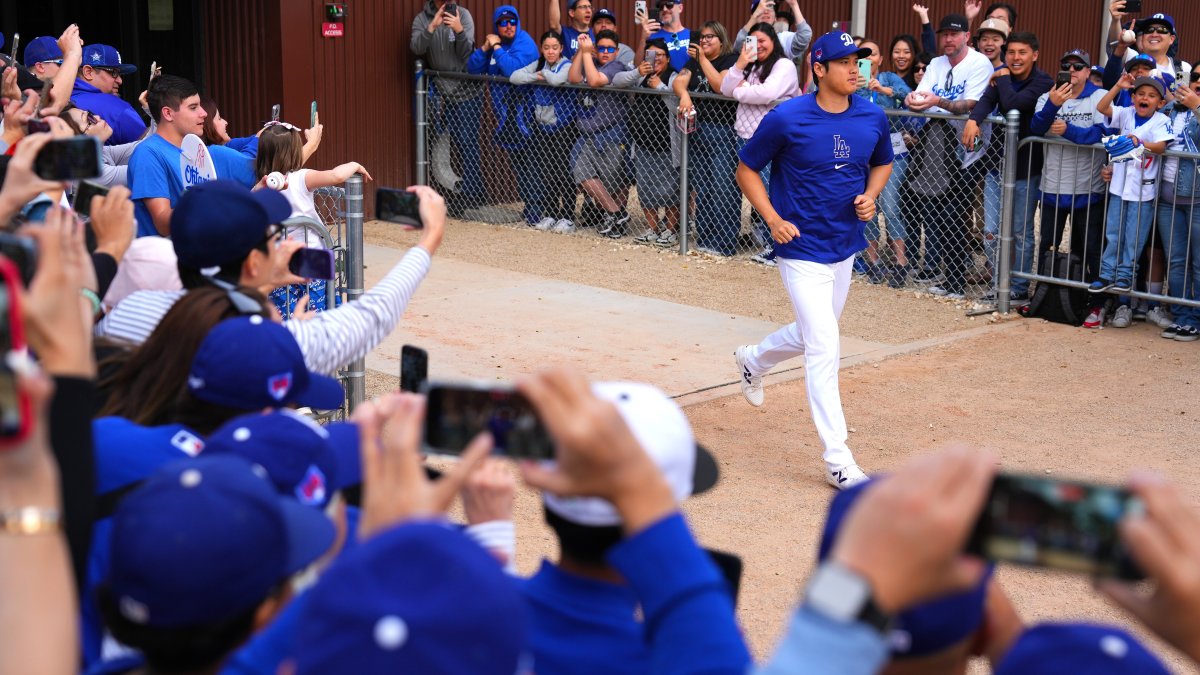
point(421, 598)
point(206, 539)
point(251, 363)
point(40, 49)
point(927, 628)
point(104, 56)
point(303, 459)
point(604, 13)
point(1078, 648)
point(221, 221)
point(836, 45)
point(1159, 18)
point(1140, 60)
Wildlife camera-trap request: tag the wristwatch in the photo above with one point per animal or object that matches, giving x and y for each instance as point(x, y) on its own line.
point(30, 520)
point(841, 594)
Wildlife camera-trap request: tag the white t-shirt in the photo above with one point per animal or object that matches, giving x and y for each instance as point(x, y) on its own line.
point(1137, 181)
point(966, 81)
point(301, 199)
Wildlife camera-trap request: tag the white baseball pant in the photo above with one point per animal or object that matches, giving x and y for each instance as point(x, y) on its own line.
point(818, 292)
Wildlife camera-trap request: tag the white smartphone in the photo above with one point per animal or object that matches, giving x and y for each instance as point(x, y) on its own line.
point(750, 46)
point(639, 11)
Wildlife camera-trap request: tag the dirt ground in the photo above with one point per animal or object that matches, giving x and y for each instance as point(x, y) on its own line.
point(1046, 398)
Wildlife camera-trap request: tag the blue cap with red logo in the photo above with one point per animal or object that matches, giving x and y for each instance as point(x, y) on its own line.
point(104, 56)
point(1078, 648)
point(205, 539)
point(927, 628)
point(41, 49)
point(221, 221)
point(836, 45)
point(251, 363)
point(304, 460)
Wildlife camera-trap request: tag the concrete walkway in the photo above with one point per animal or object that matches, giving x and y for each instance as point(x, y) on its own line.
point(484, 323)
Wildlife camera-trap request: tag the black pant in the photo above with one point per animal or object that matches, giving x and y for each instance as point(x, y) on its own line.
point(558, 185)
point(1087, 234)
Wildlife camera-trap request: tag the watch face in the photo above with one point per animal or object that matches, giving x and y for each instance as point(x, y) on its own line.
point(838, 593)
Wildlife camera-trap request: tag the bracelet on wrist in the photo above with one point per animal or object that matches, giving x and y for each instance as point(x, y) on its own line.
point(95, 299)
point(30, 520)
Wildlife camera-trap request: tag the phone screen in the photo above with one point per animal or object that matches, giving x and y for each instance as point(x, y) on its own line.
point(1063, 77)
point(414, 368)
point(275, 111)
point(312, 115)
point(397, 206)
point(72, 158)
point(1066, 525)
point(1133, 6)
point(83, 197)
point(312, 263)
point(455, 414)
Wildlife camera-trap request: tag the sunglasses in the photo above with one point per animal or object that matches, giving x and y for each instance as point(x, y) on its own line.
point(1157, 30)
point(606, 50)
point(505, 23)
point(57, 62)
point(664, 5)
point(114, 72)
point(91, 120)
point(920, 69)
point(1072, 65)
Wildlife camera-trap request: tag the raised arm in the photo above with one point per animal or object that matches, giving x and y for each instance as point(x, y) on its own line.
point(336, 176)
point(64, 81)
point(555, 14)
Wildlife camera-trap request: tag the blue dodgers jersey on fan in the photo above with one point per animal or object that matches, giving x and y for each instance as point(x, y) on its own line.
point(571, 40)
point(819, 164)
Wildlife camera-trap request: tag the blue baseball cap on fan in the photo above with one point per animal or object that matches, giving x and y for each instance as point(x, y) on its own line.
point(1159, 18)
point(420, 598)
point(104, 56)
point(251, 363)
point(40, 49)
point(1078, 648)
point(1140, 60)
point(927, 628)
point(221, 221)
point(303, 459)
point(836, 45)
point(206, 539)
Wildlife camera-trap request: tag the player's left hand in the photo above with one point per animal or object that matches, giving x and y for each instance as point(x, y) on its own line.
point(864, 206)
point(783, 231)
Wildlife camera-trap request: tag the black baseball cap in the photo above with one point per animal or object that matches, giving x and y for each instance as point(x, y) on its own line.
point(954, 22)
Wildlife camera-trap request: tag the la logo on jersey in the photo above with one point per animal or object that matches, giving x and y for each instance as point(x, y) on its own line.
point(841, 149)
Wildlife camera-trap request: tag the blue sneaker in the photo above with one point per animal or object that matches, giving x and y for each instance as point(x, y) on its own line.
point(1123, 286)
point(1100, 285)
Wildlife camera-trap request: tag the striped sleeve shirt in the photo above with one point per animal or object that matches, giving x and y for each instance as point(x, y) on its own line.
point(329, 341)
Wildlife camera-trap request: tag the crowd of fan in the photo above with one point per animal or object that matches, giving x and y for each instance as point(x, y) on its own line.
point(166, 506)
point(612, 143)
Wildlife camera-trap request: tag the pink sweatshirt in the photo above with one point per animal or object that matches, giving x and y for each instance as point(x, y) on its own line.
point(755, 99)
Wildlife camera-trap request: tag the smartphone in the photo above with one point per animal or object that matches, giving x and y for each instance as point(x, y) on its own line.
point(16, 43)
point(864, 73)
point(37, 127)
point(398, 206)
point(639, 11)
point(312, 263)
point(457, 413)
point(22, 252)
point(414, 368)
point(1060, 524)
point(72, 158)
point(153, 74)
point(16, 417)
point(83, 197)
point(1133, 6)
point(275, 110)
point(1063, 77)
point(750, 46)
point(451, 8)
point(312, 115)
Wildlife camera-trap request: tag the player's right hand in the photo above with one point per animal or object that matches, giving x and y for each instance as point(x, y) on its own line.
point(782, 231)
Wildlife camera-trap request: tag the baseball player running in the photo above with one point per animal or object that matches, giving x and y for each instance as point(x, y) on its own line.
point(830, 155)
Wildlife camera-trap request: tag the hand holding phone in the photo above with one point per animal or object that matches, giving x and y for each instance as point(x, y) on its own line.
point(73, 158)
point(864, 73)
point(456, 413)
point(312, 115)
point(398, 206)
point(83, 197)
point(639, 11)
point(750, 48)
point(1063, 77)
point(1133, 6)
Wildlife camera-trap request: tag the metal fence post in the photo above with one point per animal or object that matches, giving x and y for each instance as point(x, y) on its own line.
point(1004, 260)
point(422, 124)
point(683, 193)
point(355, 265)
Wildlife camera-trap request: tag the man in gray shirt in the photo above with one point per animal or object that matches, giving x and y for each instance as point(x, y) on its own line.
point(443, 34)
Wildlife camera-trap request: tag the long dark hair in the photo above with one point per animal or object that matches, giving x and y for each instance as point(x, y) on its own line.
point(906, 75)
point(765, 67)
point(548, 34)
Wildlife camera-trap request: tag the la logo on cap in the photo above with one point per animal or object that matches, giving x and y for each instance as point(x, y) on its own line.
point(279, 385)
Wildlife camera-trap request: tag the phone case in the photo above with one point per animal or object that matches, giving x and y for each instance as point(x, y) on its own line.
point(16, 329)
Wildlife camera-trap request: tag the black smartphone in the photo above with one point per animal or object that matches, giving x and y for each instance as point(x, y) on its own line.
point(1133, 7)
point(398, 206)
point(22, 252)
point(1060, 524)
point(1063, 77)
point(451, 8)
point(312, 263)
point(72, 158)
point(456, 413)
point(414, 368)
point(83, 197)
point(37, 127)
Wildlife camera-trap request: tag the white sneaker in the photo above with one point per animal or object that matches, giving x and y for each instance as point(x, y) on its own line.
point(667, 238)
point(1160, 317)
point(942, 292)
point(563, 226)
point(846, 477)
point(1122, 317)
point(647, 237)
point(1095, 318)
point(545, 224)
point(752, 387)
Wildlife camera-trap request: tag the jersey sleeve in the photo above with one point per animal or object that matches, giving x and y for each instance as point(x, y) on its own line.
point(883, 153)
point(766, 142)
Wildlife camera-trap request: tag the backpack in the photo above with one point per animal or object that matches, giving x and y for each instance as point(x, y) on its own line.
point(1060, 304)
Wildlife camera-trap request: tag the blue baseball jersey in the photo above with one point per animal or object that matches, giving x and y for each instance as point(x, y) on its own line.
point(819, 163)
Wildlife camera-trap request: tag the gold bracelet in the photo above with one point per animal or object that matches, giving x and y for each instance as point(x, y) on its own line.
point(30, 520)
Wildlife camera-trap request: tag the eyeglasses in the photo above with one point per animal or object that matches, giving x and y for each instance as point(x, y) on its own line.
point(505, 23)
point(920, 69)
point(606, 50)
point(578, 7)
point(707, 36)
point(113, 72)
point(1157, 30)
point(57, 62)
point(274, 236)
point(91, 120)
point(1072, 65)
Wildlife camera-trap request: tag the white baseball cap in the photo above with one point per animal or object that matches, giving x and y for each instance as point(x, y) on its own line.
point(663, 430)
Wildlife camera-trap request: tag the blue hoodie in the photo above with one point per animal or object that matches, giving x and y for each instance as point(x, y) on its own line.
point(510, 104)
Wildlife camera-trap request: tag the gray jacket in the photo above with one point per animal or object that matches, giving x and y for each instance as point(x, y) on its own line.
point(445, 50)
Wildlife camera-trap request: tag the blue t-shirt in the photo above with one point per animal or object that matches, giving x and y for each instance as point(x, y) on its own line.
point(154, 172)
point(233, 164)
point(571, 41)
point(677, 46)
point(819, 163)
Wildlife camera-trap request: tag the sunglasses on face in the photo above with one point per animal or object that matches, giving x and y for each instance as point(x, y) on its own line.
point(920, 69)
point(665, 5)
point(57, 62)
point(1157, 30)
point(1072, 65)
point(113, 72)
point(505, 23)
point(606, 50)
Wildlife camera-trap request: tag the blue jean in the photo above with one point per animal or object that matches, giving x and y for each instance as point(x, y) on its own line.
point(993, 195)
point(1125, 235)
point(889, 204)
point(713, 167)
point(1025, 193)
point(463, 123)
point(762, 233)
point(1179, 228)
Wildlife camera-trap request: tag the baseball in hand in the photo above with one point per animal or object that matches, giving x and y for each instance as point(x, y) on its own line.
point(275, 180)
point(1128, 37)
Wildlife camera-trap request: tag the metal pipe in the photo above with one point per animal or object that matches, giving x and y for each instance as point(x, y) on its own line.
point(422, 124)
point(683, 193)
point(356, 264)
point(1011, 124)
